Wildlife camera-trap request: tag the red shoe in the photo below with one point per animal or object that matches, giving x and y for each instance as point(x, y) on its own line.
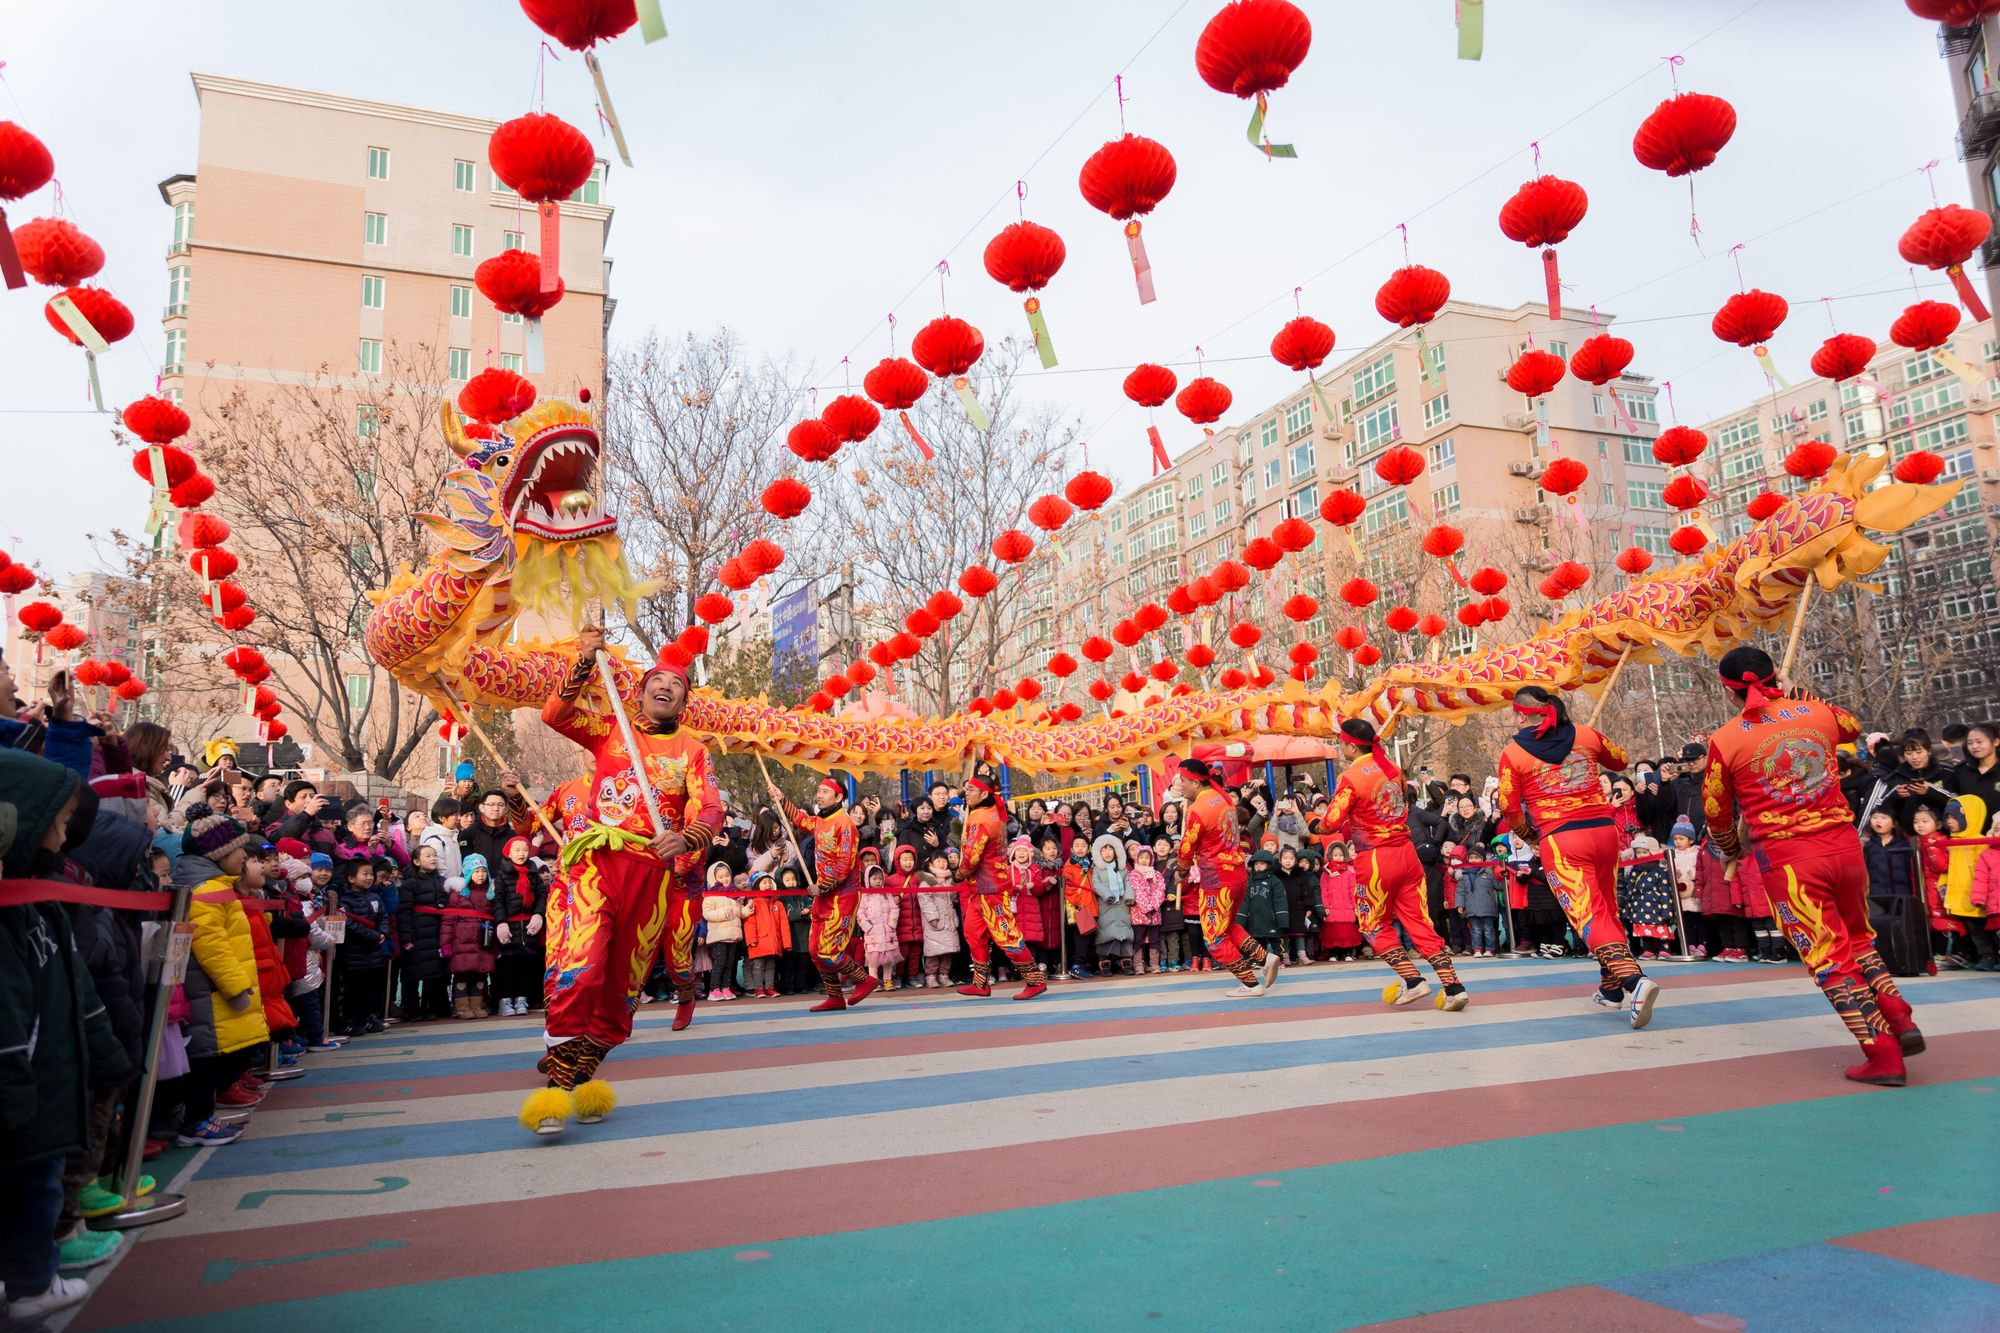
point(975, 990)
point(829, 1004)
point(1883, 1067)
point(154, 1147)
point(683, 1015)
point(238, 1097)
point(1902, 1022)
point(862, 990)
point(1031, 990)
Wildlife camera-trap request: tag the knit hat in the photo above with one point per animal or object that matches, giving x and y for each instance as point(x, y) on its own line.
point(214, 837)
point(474, 861)
point(1683, 827)
point(508, 850)
point(1645, 845)
point(1021, 842)
point(463, 773)
point(320, 861)
point(293, 848)
point(37, 789)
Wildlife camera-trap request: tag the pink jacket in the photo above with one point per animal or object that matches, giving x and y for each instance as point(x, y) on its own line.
point(1986, 882)
point(1149, 890)
point(877, 914)
point(1336, 893)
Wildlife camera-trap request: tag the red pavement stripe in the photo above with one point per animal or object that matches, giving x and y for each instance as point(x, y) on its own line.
point(1567, 1308)
point(1967, 1246)
point(301, 1096)
point(165, 1273)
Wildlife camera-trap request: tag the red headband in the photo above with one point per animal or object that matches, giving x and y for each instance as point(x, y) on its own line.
point(999, 801)
point(1546, 712)
point(1757, 690)
point(1377, 753)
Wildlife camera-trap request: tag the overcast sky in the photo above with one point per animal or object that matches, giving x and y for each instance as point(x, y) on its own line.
point(801, 167)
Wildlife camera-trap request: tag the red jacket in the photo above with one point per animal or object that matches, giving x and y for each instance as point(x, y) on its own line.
point(271, 975)
point(1775, 763)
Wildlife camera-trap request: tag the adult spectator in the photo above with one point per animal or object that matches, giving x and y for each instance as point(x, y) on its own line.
point(1978, 774)
point(1465, 824)
point(492, 828)
point(1917, 783)
point(441, 834)
point(1677, 797)
point(1427, 834)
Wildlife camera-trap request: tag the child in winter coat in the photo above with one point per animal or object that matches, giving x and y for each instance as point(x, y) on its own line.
point(1301, 897)
point(1986, 891)
point(426, 986)
point(1721, 897)
point(363, 951)
point(1646, 897)
point(1964, 817)
point(1114, 905)
point(1173, 917)
point(1892, 864)
point(796, 973)
point(524, 892)
point(1266, 912)
point(1933, 861)
point(311, 893)
point(1149, 893)
point(1339, 927)
point(1685, 859)
point(1027, 905)
point(877, 916)
point(767, 934)
point(1080, 910)
point(467, 935)
point(722, 919)
point(902, 877)
point(1049, 901)
point(1477, 896)
point(939, 913)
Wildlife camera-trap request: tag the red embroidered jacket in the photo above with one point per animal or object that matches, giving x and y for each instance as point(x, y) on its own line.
point(1775, 763)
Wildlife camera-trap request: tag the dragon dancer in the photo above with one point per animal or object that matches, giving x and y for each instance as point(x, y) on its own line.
point(629, 881)
point(1210, 843)
point(1549, 790)
point(982, 863)
point(837, 867)
point(1775, 764)
point(1370, 810)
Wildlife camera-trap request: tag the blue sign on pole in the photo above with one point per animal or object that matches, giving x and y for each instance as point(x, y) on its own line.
point(795, 627)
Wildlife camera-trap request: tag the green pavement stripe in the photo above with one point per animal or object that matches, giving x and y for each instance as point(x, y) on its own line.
point(1326, 1247)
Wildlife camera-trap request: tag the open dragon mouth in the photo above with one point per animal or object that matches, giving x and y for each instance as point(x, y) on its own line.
point(553, 497)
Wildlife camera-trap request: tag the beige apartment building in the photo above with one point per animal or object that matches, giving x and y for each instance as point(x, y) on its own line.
point(1969, 54)
point(322, 236)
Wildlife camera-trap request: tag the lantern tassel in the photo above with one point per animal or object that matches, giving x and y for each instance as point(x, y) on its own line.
point(923, 445)
point(1618, 409)
point(1319, 396)
point(1044, 348)
point(157, 517)
point(652, 24)
point(1541, 423)
point(1471, 29)
point(970, 402)
point(1423, 356)
point(533, 358)
point(1554, 281)
point(550, 213)
point(10, 258)
point(1160, 460)
point(1967, 293)
point(96, 389)
point(604, 105)
point(87, 334)
point(1451, 567)
point(1142, 267)
point(1256, 135)
point(1769, 367)
point(1951, 361)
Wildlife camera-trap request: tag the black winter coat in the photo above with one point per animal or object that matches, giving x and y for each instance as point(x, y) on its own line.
point(1967, 780)
point(111, 857)
point(1301, 898)
point(1932, 795)
point(1427, 832)
point(419, 930)
point(1892, 866)
point(56, 1041)
point(514, 906)
point(367, 927)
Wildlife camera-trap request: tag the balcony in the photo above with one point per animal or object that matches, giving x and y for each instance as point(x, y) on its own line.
point(1981, 126)
point(1518, 421)
point(178, 248)
point(1533, 515)
point(172, 368)
point(175, 311)
point(1956, 41)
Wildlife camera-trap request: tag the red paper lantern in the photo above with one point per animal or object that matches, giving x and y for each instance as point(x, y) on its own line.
point(1542, 213)
point(1919, 467)
point(1245, 635)
point(895, 383)
point(1349, 637)
point(921, 623)
point(1400, 619)
point(1149, 385)
point(1204, 400)
point(1013, 546)
point(944, 605)
point(1843, 356)
point(1127, 633)
point(117, 673)
point(1201, 656)
point(905, 646)
point(495, 395)
point(1050, 512)
point(1150, 617)
point(132, 689)
point(1262, 553)
point(25, 162)
point(851, 418)
point(161, 421)
point(947, 346)
point(1684, 133)
point(1443, 541)
point(1400, 465)
point(1028, 689)
point(1679, 446)
point(1088, 490)
point(1132, 682)
point(274, 731)
point(1924, 325)
point(1684, 492)
point(1688, 540)
point(224, 597)
point(713, 607)
point(39, 617)
point(1292, 534)
point(1635, 560)
point(1024, 257)
point(1300, 607)
point(242, 658)
point(56, 253)
point(1412, 295)
point(1303, 654)
point(837, 685)
point(1164, 670)
point(581, 24)
point(1494, 610)
point(87, 672)
point(1571, 574)
point(65, 638)
point(1097, 648)
point(762, 557)
point(1231, 576)
point(512, 281)
point(734, 576)
point(1233, 678)
point(1432, 625)
point(977, 581)
point(1564, 477)
point(1302, 344)
point(786, 498)
point(1955, 13)
point(1750, 318)
point(1944, 236)
point(1359, 593)
point(1486, 581)
point(812, 440)
point(99, 308)
point(1367, 655)
point(1600, 358)
point(1101, 690)
point(1342, 506)
point(1127, 177)
point(1205, 591)
point(1762, 505)
point(1251, 47)
point(1810, 461)
point(197, 490)
point(1535, 372)
point(213, 562)
point(819, 701)
point(1181, 602)
point(541, 157)
point(1062, 665)
point(179, 464)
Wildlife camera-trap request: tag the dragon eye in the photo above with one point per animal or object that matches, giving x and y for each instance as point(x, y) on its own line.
point(501, 460)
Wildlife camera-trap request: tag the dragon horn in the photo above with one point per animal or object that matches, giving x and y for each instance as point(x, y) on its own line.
point(454, 432)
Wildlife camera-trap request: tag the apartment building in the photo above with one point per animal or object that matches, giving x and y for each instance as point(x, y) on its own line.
point(1969, 54)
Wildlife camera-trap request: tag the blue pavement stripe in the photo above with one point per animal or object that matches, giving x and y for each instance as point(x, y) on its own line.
point(1810, 1287)
point(283, 1153)
point(654, 1041)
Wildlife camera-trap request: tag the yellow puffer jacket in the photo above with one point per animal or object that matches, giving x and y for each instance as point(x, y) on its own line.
point(224, 965)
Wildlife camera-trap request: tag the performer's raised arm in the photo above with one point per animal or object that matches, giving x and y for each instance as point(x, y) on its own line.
point(562, 714)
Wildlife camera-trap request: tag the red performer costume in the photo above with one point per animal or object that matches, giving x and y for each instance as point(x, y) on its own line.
point(1549, 790)
point(629, 881)
point(982, 863)
point(1370, 810)
point(837, 866)
point(1775, 764)
point(1210, 841)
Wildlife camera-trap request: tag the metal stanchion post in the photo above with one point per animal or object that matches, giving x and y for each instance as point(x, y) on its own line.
point(139, 1211)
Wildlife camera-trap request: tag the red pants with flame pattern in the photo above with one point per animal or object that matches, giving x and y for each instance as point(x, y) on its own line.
point(621, 905)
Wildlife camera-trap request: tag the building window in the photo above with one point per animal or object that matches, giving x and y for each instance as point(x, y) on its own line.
point(177, 290)
point(378, 164)
point(461, 302)
point(461, 176)
point(183, 225)
point(374, 228)
point(1445, 498)
point(1301, 456)
point(1816, 410)
point(510, 361)
point(1444, 453)
point(1737, 466)
point(1194, 485)
point(592, 189)
point(461, 240)
point(1299, 419)
point(371, 291)
point(1273, 473)
point(357, 691)
point(1197, 527)
point(1159, 501)
point(1603, 448)
point(510, 240)
point(1218, 475)
point(1387, 511)
point(1923, 366)
point(177, 341)
point(1738, 434)
point(510, 317)
point(1637, 451)
point(1223, 509)
point(1645, 494)
point(1437, 358)
point(1374, 380)
point(1437, 411)
point(367, 421)
point(1375, 429)
point(1303, 503)
point(1639, 408)
point(1978, 74)
point(1268, 433)
point(371, 356)
point(1560, 349)
point(1655, 541)
point(458, 364)
point(1606, 495)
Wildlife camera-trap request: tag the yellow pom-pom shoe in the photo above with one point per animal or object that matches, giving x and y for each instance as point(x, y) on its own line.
point(594, 1101)
point(1401, 992)
point(547, 1111)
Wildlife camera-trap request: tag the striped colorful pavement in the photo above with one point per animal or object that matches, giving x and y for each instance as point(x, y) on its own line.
point(1143, 1152)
